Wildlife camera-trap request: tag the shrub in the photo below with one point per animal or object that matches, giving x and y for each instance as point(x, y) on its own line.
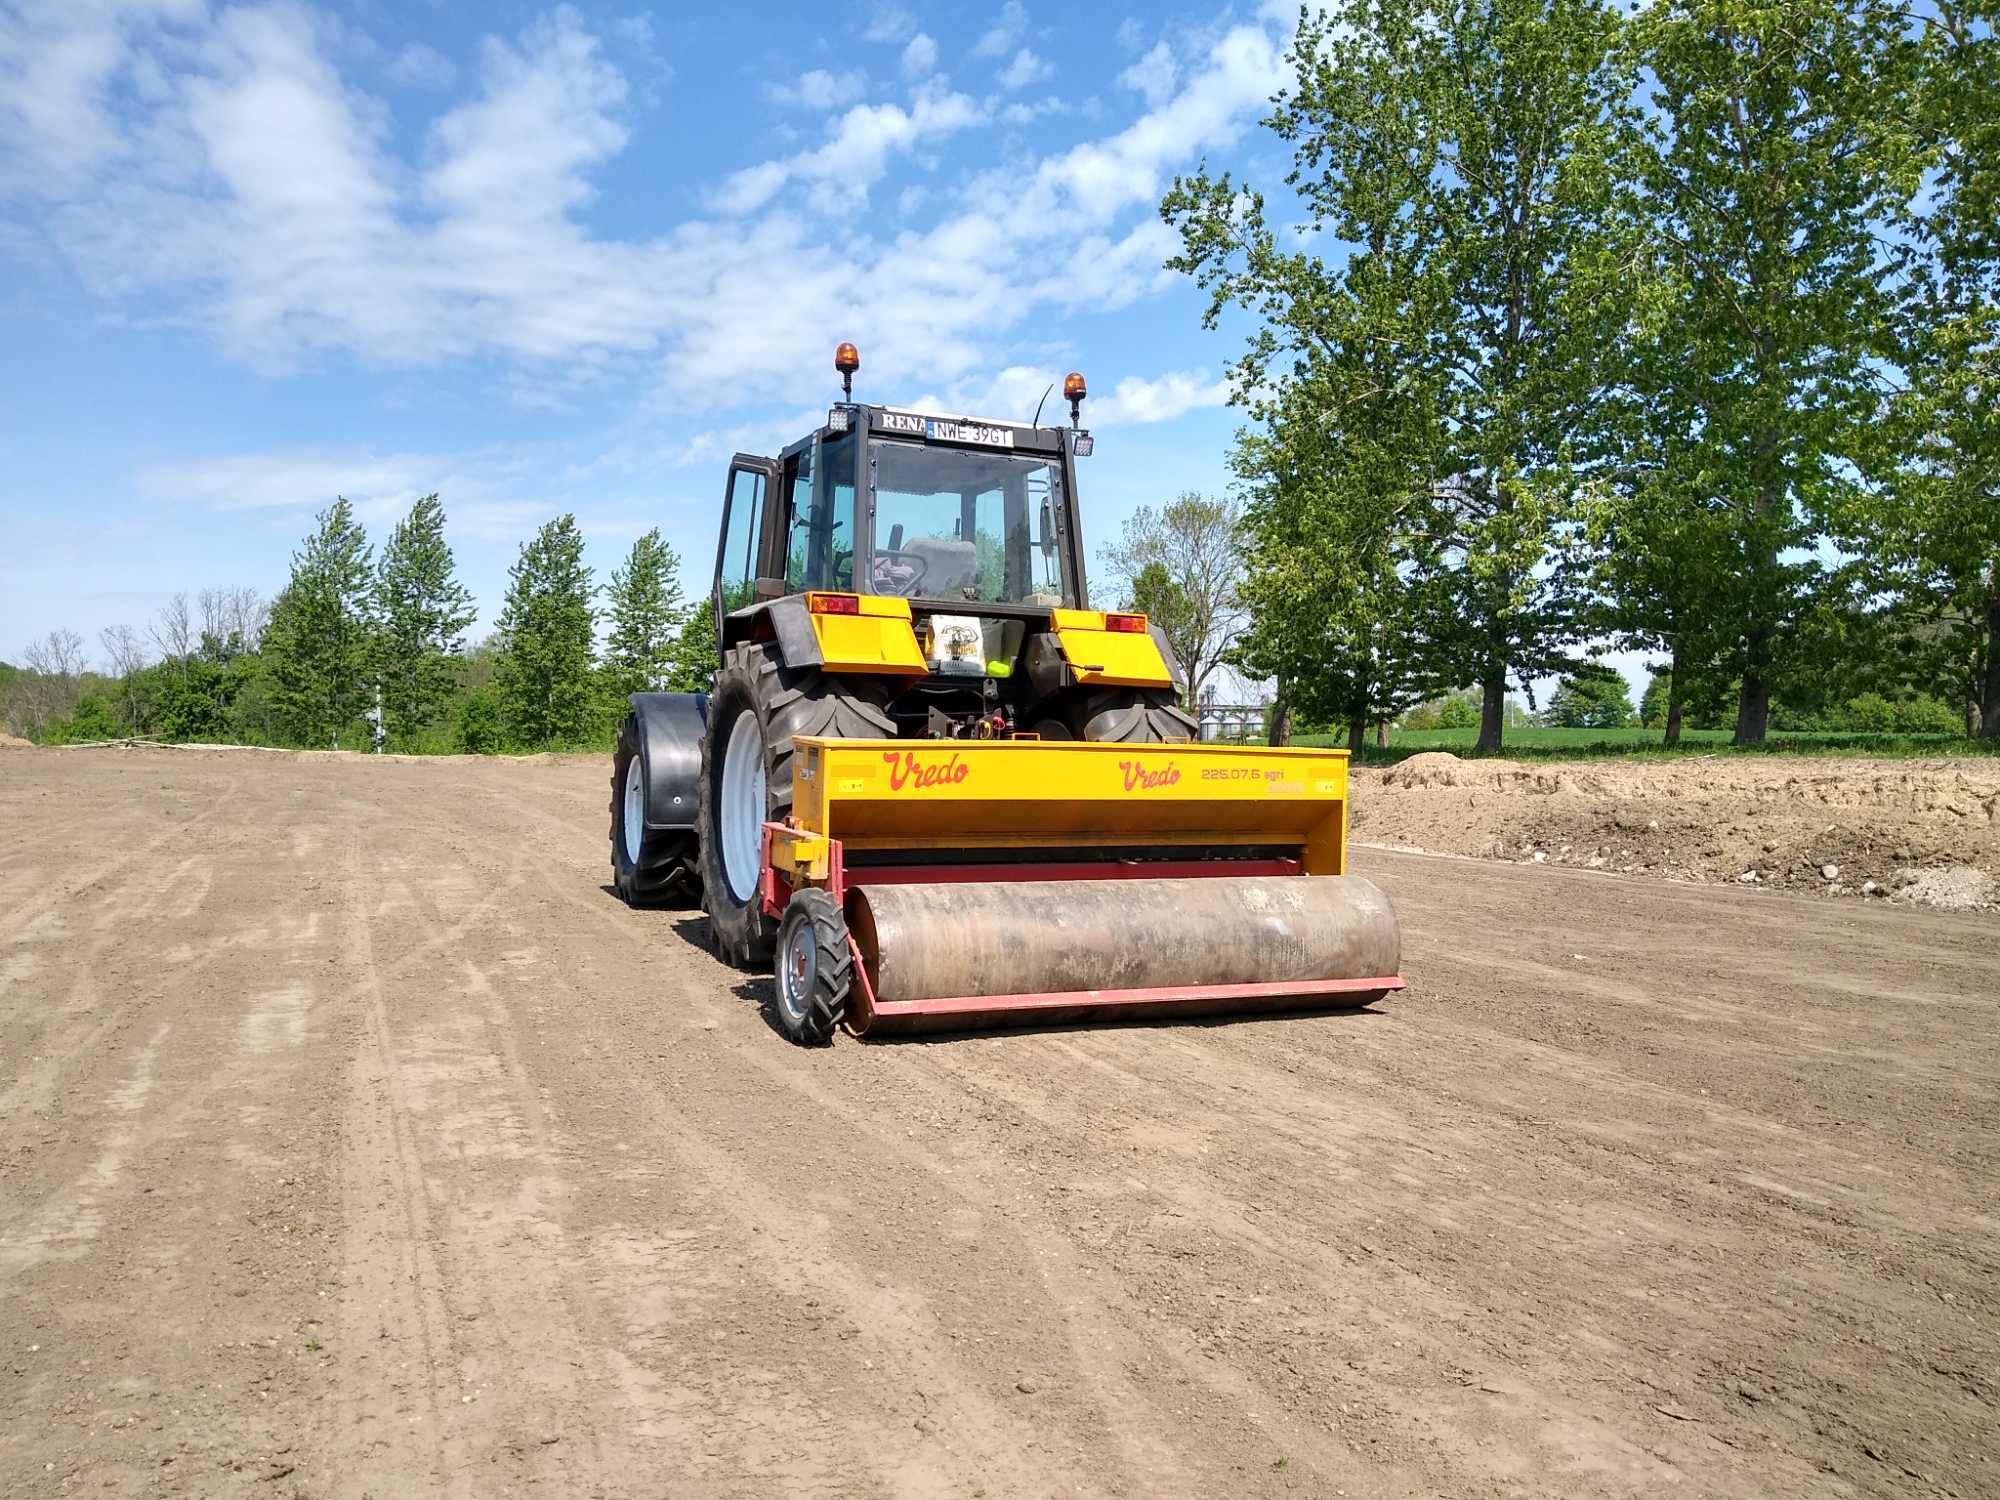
point(1458, 713)
point(479, 731)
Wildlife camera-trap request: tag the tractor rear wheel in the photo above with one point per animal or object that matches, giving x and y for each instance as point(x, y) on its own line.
point(649, 866)
point(1135, 716)
point(757, 705)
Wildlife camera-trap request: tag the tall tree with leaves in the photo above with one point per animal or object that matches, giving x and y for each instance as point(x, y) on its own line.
point(695, 654)
point(544, 677)
point(1936, 525)
point(318, 646)
point(1464, 146)
point(1185, 558)
point(422, 612)
point(1332, 584)
point(1779, 145)
point(644, 602)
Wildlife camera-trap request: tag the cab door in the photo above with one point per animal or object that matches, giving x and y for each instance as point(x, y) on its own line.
point(745, 499)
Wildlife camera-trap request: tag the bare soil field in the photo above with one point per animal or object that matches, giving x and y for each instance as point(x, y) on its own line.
point(354, 1141)
point(1925, 832)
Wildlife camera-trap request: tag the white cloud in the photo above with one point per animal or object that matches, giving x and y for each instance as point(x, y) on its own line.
point(420, 67)
point(57, 65)
point(1026, 68)
point(252, 193)
point(1134, 400)
point(1153, 75)
point(891, 23)
point(297, 479)
point(1131, 35)
point(820, 89)
point(1022, 112)
point(920, 57)
point(856, 151)
point(1014, 393)
point(1005, 33)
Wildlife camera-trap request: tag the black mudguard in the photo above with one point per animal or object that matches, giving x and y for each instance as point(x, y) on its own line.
point(670, 729)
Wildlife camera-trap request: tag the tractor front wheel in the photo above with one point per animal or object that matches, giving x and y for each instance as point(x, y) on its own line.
point(815, 968)
point(649, 866)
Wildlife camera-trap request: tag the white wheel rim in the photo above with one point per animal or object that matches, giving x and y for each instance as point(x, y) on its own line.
point(798, 968)
point(744, 807)
point(634, 810)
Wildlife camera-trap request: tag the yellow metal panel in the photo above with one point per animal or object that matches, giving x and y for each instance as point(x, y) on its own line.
point(957, 794)
point(1126, 658)
point(879, 638)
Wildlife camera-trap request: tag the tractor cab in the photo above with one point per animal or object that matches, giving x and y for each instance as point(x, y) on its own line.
point(952, 513)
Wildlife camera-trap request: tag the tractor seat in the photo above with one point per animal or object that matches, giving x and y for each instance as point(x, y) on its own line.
point(950, 565)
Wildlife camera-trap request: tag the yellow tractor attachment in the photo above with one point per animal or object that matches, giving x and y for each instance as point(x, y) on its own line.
point(953, 884)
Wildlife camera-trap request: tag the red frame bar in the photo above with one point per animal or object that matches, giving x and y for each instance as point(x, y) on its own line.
point(1107, 869)
point(1164, 995)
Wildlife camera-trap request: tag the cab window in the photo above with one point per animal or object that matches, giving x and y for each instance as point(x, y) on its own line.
point(820, 551)
point(736, 578)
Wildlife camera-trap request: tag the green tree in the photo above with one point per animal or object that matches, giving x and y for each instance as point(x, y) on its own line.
point(319, 645)
point(546, 630)
point(1592, 696)
point(1464, 148)
point(1937, 525)
point(1332, 613)
point(1777, 145)
point(422, 613)
point(694, 655)
point(1185, 557)
point(1458, 712)
point(1653, 702)
point(647, 616)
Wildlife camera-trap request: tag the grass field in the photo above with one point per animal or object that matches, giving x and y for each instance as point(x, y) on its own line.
point(1594, 744)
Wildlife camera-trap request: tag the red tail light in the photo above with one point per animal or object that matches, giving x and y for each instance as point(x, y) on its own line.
point(1131, 624)
point(833, 604)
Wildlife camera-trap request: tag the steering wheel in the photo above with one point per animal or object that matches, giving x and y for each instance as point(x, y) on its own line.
point(898, 572)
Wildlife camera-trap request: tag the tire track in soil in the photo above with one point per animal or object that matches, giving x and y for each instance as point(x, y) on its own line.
point(1119, 1432)
point(1478, 1245)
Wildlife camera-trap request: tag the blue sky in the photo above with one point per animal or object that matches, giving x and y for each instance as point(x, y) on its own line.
point(546, 260)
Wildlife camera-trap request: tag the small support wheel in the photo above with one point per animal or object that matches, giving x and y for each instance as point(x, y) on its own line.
point(815, 968)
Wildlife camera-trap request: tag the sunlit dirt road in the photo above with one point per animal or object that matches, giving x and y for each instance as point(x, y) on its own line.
point(354, 1141)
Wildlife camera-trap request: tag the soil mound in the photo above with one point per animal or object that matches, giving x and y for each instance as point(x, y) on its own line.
point(1927, 832)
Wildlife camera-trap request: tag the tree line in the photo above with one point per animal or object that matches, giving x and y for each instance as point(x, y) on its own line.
point(355, 638)
point(1670, 330)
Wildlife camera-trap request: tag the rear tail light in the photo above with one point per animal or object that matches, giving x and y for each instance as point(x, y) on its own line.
point(833, 604)
point(1130, 624)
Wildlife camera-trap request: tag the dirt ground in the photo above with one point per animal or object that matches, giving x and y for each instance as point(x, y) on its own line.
point(355, 1142)
point(1924, 832)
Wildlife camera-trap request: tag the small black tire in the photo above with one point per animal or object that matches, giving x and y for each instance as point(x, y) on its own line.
point(784, 702)
point(1135, 716)
point(815, 968)
point(662, 870)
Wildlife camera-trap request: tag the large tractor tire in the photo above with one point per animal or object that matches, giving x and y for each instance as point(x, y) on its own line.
point(757, 705)
point(1135, 716)
point(649, 866)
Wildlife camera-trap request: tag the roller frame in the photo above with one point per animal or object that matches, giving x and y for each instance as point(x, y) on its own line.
point(800, 852)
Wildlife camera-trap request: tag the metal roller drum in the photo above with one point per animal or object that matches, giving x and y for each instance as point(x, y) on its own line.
point(1042, 940)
